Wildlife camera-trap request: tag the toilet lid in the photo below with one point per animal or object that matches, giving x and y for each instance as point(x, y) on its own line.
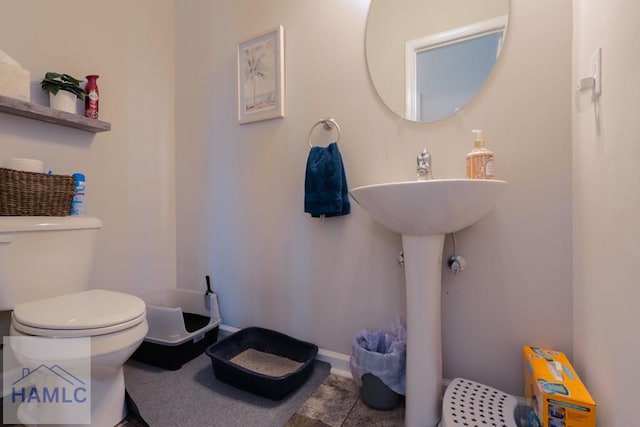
point(81, 311)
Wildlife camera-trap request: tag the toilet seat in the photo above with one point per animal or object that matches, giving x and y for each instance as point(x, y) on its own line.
point(83, 314)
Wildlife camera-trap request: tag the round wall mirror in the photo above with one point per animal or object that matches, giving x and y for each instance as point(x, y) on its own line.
point(428, 58)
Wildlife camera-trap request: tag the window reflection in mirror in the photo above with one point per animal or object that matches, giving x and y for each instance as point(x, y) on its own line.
point(428, 58)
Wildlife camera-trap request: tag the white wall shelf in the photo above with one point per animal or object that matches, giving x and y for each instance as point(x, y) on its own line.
point(21, 108)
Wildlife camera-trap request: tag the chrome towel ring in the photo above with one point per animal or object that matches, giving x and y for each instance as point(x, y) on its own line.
point(328, 124)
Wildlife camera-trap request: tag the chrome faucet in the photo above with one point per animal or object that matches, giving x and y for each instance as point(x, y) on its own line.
point(423, 170)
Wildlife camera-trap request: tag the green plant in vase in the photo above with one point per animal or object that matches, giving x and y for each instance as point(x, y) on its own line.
point(54, 82)
point(64, 90)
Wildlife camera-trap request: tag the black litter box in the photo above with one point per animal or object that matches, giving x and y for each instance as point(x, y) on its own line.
point(300, 354)
point(182, 324)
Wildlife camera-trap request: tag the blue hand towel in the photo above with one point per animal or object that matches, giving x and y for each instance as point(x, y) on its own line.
point(325, 184)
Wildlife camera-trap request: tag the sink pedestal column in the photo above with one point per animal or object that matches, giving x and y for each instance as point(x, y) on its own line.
point(423, 274)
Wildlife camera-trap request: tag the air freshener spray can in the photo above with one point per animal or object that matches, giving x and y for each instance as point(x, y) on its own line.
point(78, 203)
point(91, 100)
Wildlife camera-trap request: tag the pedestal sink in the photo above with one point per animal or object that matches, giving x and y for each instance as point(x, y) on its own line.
point(423, 212)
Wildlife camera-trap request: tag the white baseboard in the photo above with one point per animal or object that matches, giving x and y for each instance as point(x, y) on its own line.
point(225, 330)
point(339, 362)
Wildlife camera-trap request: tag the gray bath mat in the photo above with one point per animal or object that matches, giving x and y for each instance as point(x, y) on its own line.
point(192, 396)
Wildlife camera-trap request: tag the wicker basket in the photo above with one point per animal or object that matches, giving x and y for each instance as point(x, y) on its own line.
point(35, 194)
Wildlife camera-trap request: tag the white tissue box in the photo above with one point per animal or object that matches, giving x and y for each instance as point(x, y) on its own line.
point(15, 82)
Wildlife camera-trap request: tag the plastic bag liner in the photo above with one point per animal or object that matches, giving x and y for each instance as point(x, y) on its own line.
point(381, 354)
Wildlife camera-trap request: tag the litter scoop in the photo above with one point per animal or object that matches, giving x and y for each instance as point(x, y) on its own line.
point(209, 291)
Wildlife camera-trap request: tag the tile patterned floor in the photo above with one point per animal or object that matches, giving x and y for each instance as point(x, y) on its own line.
point(336, 403)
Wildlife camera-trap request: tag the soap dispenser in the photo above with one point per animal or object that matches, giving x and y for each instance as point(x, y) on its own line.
point(479, 159)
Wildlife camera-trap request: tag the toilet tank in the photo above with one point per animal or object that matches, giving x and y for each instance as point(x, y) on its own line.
point(42, 257)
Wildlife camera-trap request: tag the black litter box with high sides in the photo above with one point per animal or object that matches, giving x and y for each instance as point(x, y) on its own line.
point(182, 324)
point(263, 362)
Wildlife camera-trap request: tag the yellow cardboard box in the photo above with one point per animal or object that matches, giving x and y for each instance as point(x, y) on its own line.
point(554, 391)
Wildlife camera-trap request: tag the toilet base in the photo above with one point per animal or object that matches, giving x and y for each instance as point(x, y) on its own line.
point(108, 406)
point(110, 347)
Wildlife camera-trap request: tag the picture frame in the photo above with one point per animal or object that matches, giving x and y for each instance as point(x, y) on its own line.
point(261, 77)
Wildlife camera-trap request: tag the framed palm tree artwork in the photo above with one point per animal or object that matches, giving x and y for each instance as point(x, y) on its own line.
point(261, 77)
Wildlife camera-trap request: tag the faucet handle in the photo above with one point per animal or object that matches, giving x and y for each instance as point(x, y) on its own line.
point(424, 158)
point(424, 165)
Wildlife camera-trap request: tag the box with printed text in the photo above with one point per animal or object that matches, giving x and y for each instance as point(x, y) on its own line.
point(554, 392)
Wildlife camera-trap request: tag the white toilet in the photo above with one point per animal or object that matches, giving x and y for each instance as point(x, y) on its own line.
point(44, 269)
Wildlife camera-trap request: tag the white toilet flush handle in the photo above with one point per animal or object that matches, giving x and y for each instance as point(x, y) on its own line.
point(6, 238)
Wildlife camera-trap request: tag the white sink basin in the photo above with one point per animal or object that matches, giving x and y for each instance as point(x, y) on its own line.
point(437, 206)
point(423, 212)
